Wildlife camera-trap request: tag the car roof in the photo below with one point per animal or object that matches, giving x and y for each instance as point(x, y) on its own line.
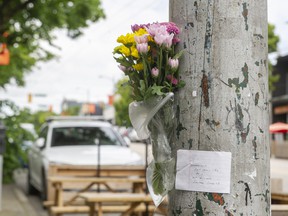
point(73, 123)
point(77, 121)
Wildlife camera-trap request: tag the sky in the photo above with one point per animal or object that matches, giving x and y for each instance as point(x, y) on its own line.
point(86, 71)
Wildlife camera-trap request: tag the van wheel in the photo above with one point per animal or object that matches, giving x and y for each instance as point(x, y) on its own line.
point(31, 190)
point(44, 187)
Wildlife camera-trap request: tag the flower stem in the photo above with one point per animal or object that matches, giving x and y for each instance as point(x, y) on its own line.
point(160, 67)
point(145, 73)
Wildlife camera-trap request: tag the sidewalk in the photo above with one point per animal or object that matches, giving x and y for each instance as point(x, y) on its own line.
point(15, 202)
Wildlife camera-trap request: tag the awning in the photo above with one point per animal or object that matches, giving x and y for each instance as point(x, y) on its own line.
point(278, 127)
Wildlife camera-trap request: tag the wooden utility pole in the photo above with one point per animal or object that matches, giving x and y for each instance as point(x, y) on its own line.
point(224, 105)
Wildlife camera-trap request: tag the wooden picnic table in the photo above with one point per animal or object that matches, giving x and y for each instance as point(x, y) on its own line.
point(134, 200)
point(91, 171)
point(58, 205)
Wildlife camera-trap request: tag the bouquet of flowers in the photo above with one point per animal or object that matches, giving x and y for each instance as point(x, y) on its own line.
point(147, 56)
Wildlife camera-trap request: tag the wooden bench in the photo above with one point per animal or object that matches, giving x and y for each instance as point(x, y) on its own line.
point(279, 210)
point(107, 209)
point(279, 198)
point(58, 205)
point(56, 170)
point(133, 200)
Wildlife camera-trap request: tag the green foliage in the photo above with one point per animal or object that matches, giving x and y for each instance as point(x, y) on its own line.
point(272, 39)
point(157, 179)
point(39, 118)
point(272, 78)
point(72, 111)
point(272, 47)
point(30, 23)
point(15, 155)
point(121, 105)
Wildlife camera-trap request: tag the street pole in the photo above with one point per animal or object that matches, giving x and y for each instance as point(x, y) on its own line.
point(224, 105)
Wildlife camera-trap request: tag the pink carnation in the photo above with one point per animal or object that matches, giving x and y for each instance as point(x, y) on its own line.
point(172, 28)
point(175, 40)
point(172, 79)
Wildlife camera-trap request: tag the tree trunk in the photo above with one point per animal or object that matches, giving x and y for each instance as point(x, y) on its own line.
point(224, 105)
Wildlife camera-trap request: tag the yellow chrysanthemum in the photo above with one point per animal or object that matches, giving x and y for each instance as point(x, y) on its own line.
point(116, 49)
point(141, 31)
point(134, 52)
point(124, 50)
point(138, 67)
point(128, 38)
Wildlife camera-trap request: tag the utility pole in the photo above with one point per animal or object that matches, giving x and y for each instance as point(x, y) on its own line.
point(224, 105)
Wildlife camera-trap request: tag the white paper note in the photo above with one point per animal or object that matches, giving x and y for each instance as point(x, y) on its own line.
point(204, 171)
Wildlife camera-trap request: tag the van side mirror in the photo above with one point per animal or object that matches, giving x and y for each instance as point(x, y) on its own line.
point(40, 142)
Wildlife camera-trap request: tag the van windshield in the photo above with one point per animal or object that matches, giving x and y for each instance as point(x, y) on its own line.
point(67, 136)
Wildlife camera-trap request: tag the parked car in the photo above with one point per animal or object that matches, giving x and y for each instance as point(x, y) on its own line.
point(33, 135)
point(75, 141)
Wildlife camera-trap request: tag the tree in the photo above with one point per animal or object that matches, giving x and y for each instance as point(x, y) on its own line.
point(39, 118)
point(121, 105)
point(224, 105)
point(15, 155)
point(272, 47)
point(272, 39)
point(30, 23)
point(71, 111)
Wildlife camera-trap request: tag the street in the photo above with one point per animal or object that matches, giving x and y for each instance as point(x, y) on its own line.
point(20, 177)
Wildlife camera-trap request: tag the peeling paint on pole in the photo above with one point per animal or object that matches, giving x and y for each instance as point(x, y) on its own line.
point(224, 105)
point(245, 15)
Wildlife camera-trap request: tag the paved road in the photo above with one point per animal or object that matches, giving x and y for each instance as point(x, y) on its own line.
point(20, 177)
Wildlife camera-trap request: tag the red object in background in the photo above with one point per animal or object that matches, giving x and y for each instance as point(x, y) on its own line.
point(4, 55)
point(111, 99)
point(278, 127)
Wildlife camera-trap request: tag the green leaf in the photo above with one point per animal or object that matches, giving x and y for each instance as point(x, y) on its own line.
point(181, 84)
point(157, 90)
point(157, 180)
point(123, 62)
point(148, 93)
point(142, 87)
point(178, 55)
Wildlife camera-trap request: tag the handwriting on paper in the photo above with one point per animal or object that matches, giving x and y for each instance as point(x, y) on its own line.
point(205, 171)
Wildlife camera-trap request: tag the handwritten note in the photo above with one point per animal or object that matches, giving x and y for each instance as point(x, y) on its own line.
point(204, 171)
